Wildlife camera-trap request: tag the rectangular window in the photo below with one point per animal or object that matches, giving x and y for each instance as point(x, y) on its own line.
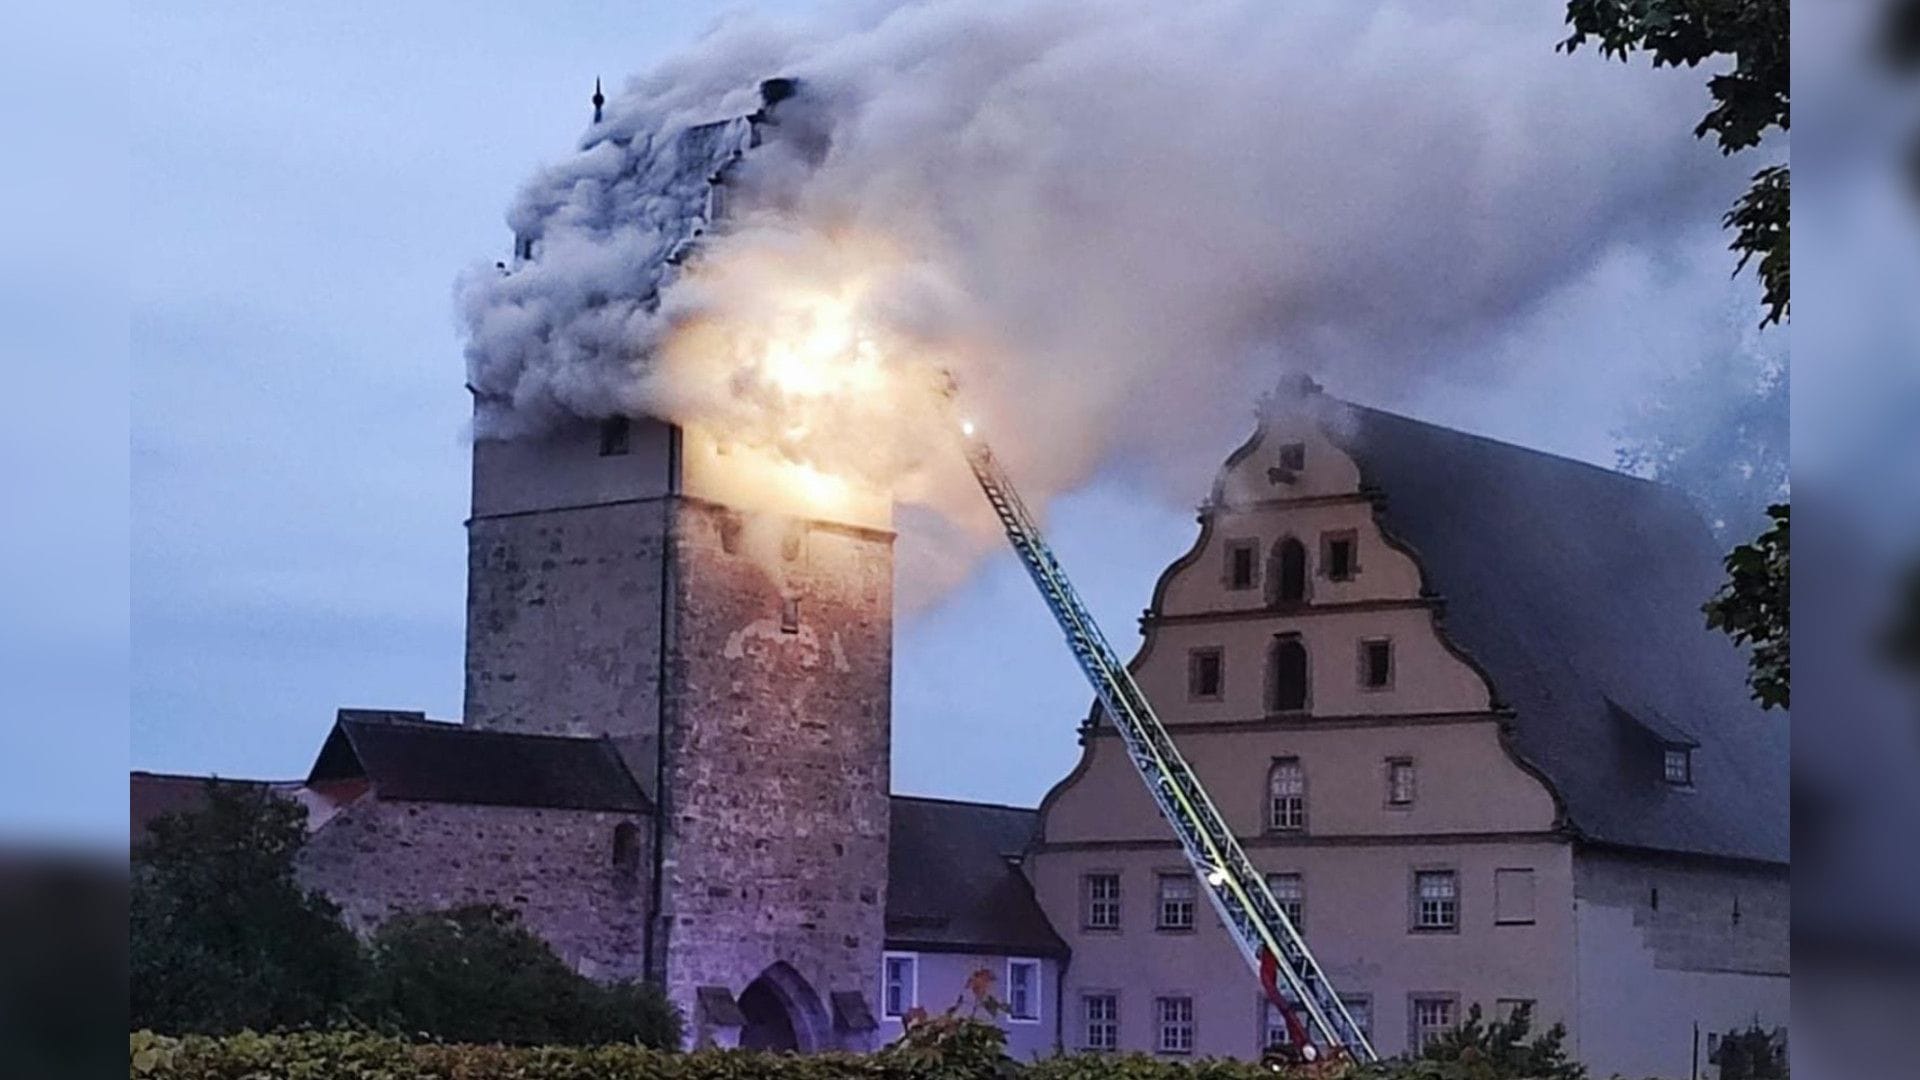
point(1400, 782)
point(899, 984)
point(1513, 896)
point(1290, 891)
point(1436, 900)
point(1101, 1016)
point(1337, 551)
point(1505, 1009)
point(1023, 990)
point(1432, 1018)
point(1293, 456)
point(1376, 663)
point(1102, 892)
point(1273, 1026)
point(1204, 674)
point(1287, 796)
point(1243, 562)
point(1176, 902)
point(1360, 1007)
point(616, 435)
point(1174, 1023)
point(1678, 766)
point(790, 615)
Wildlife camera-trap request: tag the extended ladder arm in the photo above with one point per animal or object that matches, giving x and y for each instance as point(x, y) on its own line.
point(1236, 888)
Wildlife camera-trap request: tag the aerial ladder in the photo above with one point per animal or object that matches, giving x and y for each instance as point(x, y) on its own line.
point(1287, 971)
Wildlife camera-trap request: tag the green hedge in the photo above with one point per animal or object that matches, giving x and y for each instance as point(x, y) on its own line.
point(350, 1056)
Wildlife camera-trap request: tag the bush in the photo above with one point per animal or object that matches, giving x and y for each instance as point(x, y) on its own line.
point(221, 937)
point(474, 974)
point(1496, 1051)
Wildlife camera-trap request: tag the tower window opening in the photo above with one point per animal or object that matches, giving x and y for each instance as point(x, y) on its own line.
point(616, 436)
point(790, 615)
point(1289, 674)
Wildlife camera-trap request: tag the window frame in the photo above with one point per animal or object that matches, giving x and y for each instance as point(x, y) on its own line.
point(1389, 766)
point(1195, 658)
point(1349, 537)
point(1269, 1014)
point(1504, 1008)
point(1414, 923)
point(1416, 1044)
point(1273, 704)
point(1088, 900)
point(1274, 822)
point(1036, 991)
point(1298, 915)
point(1234, 549)
point(1684, 754)
point(1160, 880)
point(1365, 1003)
point(1364, 659)
point(1533, 897)
point(1161, 1024)
point(1087, 1021)
point(911, 989)
point(1292, 456)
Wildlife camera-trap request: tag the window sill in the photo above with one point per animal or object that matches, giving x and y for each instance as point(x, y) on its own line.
point(1114, 930)
point(1436, 930)
point(1173, 929)
point(1515, 922)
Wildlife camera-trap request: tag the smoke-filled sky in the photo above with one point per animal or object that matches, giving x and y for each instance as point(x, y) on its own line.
point(1424, 204)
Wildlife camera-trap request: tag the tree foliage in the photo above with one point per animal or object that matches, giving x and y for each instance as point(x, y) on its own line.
point(475, 974)
point(1753, 1054)
point(1749, 100)
point(222, 937)
point(1753, 608)
point(1495, 1050)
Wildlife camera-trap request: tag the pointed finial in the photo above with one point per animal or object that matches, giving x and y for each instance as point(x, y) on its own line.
point(599, 99)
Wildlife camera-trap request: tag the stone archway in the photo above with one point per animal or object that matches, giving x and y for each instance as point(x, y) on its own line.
point(784, 1013)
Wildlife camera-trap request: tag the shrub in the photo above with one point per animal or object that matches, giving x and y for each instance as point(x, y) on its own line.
point(474, 974)
point(221, 937)
point(1499, 1050)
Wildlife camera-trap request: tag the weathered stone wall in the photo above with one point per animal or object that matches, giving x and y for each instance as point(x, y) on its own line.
point(556, 867)
point(777, 742)
point(563, 621)
point(1713, 952)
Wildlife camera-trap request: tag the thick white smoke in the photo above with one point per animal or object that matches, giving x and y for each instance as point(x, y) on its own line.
point(1115, 222)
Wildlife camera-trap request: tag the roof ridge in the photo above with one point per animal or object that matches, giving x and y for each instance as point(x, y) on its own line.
point(215, 777)
point(462, 729)
point(1505, 445)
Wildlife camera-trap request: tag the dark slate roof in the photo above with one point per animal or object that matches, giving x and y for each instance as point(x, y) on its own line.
point(954, 884)
point(409, 758)
point(1578, 590)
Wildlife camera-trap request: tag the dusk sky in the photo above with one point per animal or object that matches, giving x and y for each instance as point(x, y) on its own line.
point(311, 180)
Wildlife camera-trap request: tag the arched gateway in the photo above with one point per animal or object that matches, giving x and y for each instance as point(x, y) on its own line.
point(784, 1013)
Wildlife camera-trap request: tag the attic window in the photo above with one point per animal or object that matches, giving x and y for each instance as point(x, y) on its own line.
point(790, 615)
point(1376, 663)
point(1677, 766)
point(523, 247)
point(1293, 456)
point(1336, 556)
point(615, 436)
point(1243, 556)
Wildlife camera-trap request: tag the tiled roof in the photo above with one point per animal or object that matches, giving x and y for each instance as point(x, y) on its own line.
point(1578, 590)
point(411, 759)
point(954, 881)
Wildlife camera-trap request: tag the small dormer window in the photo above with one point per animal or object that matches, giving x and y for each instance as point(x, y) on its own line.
point(615, 436)
point(1677, 766)
point(1293, 456)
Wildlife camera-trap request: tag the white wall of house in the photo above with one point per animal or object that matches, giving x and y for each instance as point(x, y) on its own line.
point(941, 983)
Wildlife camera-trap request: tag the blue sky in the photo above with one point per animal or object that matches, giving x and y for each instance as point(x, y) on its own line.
point(307, 181)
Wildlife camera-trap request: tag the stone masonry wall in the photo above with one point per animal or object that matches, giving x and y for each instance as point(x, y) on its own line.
point(556, 867)
point(778, 745)
point(563, 621)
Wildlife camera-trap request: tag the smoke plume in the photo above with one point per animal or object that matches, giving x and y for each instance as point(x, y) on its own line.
point(1115, 224)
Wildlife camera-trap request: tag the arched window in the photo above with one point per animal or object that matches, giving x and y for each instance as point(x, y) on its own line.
point(626, 852)
point(1287, 573)
point(1289, 674)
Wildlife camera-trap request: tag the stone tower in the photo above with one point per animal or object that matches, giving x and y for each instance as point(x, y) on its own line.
point(637, 581)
